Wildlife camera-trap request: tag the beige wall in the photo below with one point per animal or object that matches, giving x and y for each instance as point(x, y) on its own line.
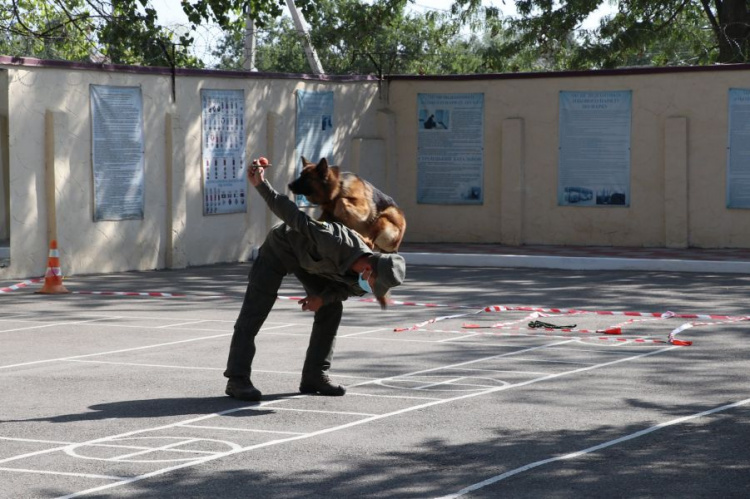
point(4, 159)
point(678, 163)
point(49, 132)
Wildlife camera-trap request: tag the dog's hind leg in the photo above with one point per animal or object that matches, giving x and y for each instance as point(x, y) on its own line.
point(386, 235)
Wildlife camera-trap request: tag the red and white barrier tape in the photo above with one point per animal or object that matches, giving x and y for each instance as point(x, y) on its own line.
point(20, 285)
point(612, 330)
point(690, 325)
point(131, 293)
point(563, 311)
point(556, 311)
point(28, 282)
point(528, 334)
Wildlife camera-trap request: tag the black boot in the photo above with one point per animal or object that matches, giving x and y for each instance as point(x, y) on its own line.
point(242, 388)
point(320, 384)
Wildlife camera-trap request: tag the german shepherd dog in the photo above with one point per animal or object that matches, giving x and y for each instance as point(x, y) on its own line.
point(346, 198)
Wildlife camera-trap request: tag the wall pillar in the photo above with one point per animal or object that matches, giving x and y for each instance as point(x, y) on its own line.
point(676, 207)
point(56, 171)
point(4, 180)
point(511, 188)
point(369, 161)
point(276, 130)
point(176, 255)
point(387, 131)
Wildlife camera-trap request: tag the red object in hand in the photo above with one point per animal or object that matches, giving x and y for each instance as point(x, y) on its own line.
point(262, 161)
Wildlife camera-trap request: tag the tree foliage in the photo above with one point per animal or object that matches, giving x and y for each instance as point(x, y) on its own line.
point(662, 32)
point(355, 38)
point(123, 31)
point(381, 37)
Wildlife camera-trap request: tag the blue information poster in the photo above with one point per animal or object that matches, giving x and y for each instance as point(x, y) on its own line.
point(117, 152)
point(738, 153)
point(314, 134)
point(450, 148)
point(594, 149)
point(224, 182)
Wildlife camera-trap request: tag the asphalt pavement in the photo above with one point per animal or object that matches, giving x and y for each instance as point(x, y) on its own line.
point(116, 389)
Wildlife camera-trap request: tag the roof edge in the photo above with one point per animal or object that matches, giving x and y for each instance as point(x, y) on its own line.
point(159, 70)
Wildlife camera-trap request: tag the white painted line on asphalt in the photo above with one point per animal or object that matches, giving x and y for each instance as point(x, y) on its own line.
point(55, 442)
point(348, 392)
point(136, 364)
point(54, 324)
point(459, 338)
point(73, 450)
point(313, 410)
point(497, 370)
point(548, 361)
point(225, 428)
point(438, 383)
point(588, 350)
point(141, 447)
point(32, 440)
point(334, 428)
point(363, 332)
point(125, 457)
point(100, 440)
point(124, 350)
point(589, 450)
point(78, 475)
point(181, 324)
point(437, 342)
point(468, 362)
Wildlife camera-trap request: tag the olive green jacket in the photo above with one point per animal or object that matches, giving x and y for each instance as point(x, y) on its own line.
point(324, 249)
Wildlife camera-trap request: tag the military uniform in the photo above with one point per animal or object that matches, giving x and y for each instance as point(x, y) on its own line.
point(320, 255)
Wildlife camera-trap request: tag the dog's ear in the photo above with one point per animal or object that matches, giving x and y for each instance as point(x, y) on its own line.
point(305, 162)
point(322, 167)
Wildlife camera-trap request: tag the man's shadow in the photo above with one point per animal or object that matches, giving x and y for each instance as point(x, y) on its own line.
point(165, 407)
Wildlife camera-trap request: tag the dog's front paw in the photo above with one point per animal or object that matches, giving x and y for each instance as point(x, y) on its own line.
point(370, 244)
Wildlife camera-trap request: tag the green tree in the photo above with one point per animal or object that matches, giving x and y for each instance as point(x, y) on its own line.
point(124, 31)
point(34, 28)
point(355, 38)
point(641, 31)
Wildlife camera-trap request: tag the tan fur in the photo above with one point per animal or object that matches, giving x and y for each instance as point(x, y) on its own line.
point(344, 197)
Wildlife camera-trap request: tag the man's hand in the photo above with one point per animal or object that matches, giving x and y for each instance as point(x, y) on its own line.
point(256, 174)
point(311, 303)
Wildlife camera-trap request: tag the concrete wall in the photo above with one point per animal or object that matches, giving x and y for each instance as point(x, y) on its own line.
point(678, 162)
point(51, 177)
point(4, 159)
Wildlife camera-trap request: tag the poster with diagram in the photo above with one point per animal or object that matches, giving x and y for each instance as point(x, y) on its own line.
point(738, 149)
point(223, 136)
point(594, 149)
point(450, 148)
point(117, 152)
point(314, 132)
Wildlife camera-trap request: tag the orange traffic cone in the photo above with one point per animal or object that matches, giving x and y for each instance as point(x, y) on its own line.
point(53, 284)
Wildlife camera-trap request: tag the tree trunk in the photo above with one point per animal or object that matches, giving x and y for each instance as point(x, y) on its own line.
point(733, 31)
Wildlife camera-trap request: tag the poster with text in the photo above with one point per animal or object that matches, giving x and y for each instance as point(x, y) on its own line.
point(117, 152)
point(224, 182)
point(450, 148)
point(594, 149)
point(738, 154)
point(314, 134)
